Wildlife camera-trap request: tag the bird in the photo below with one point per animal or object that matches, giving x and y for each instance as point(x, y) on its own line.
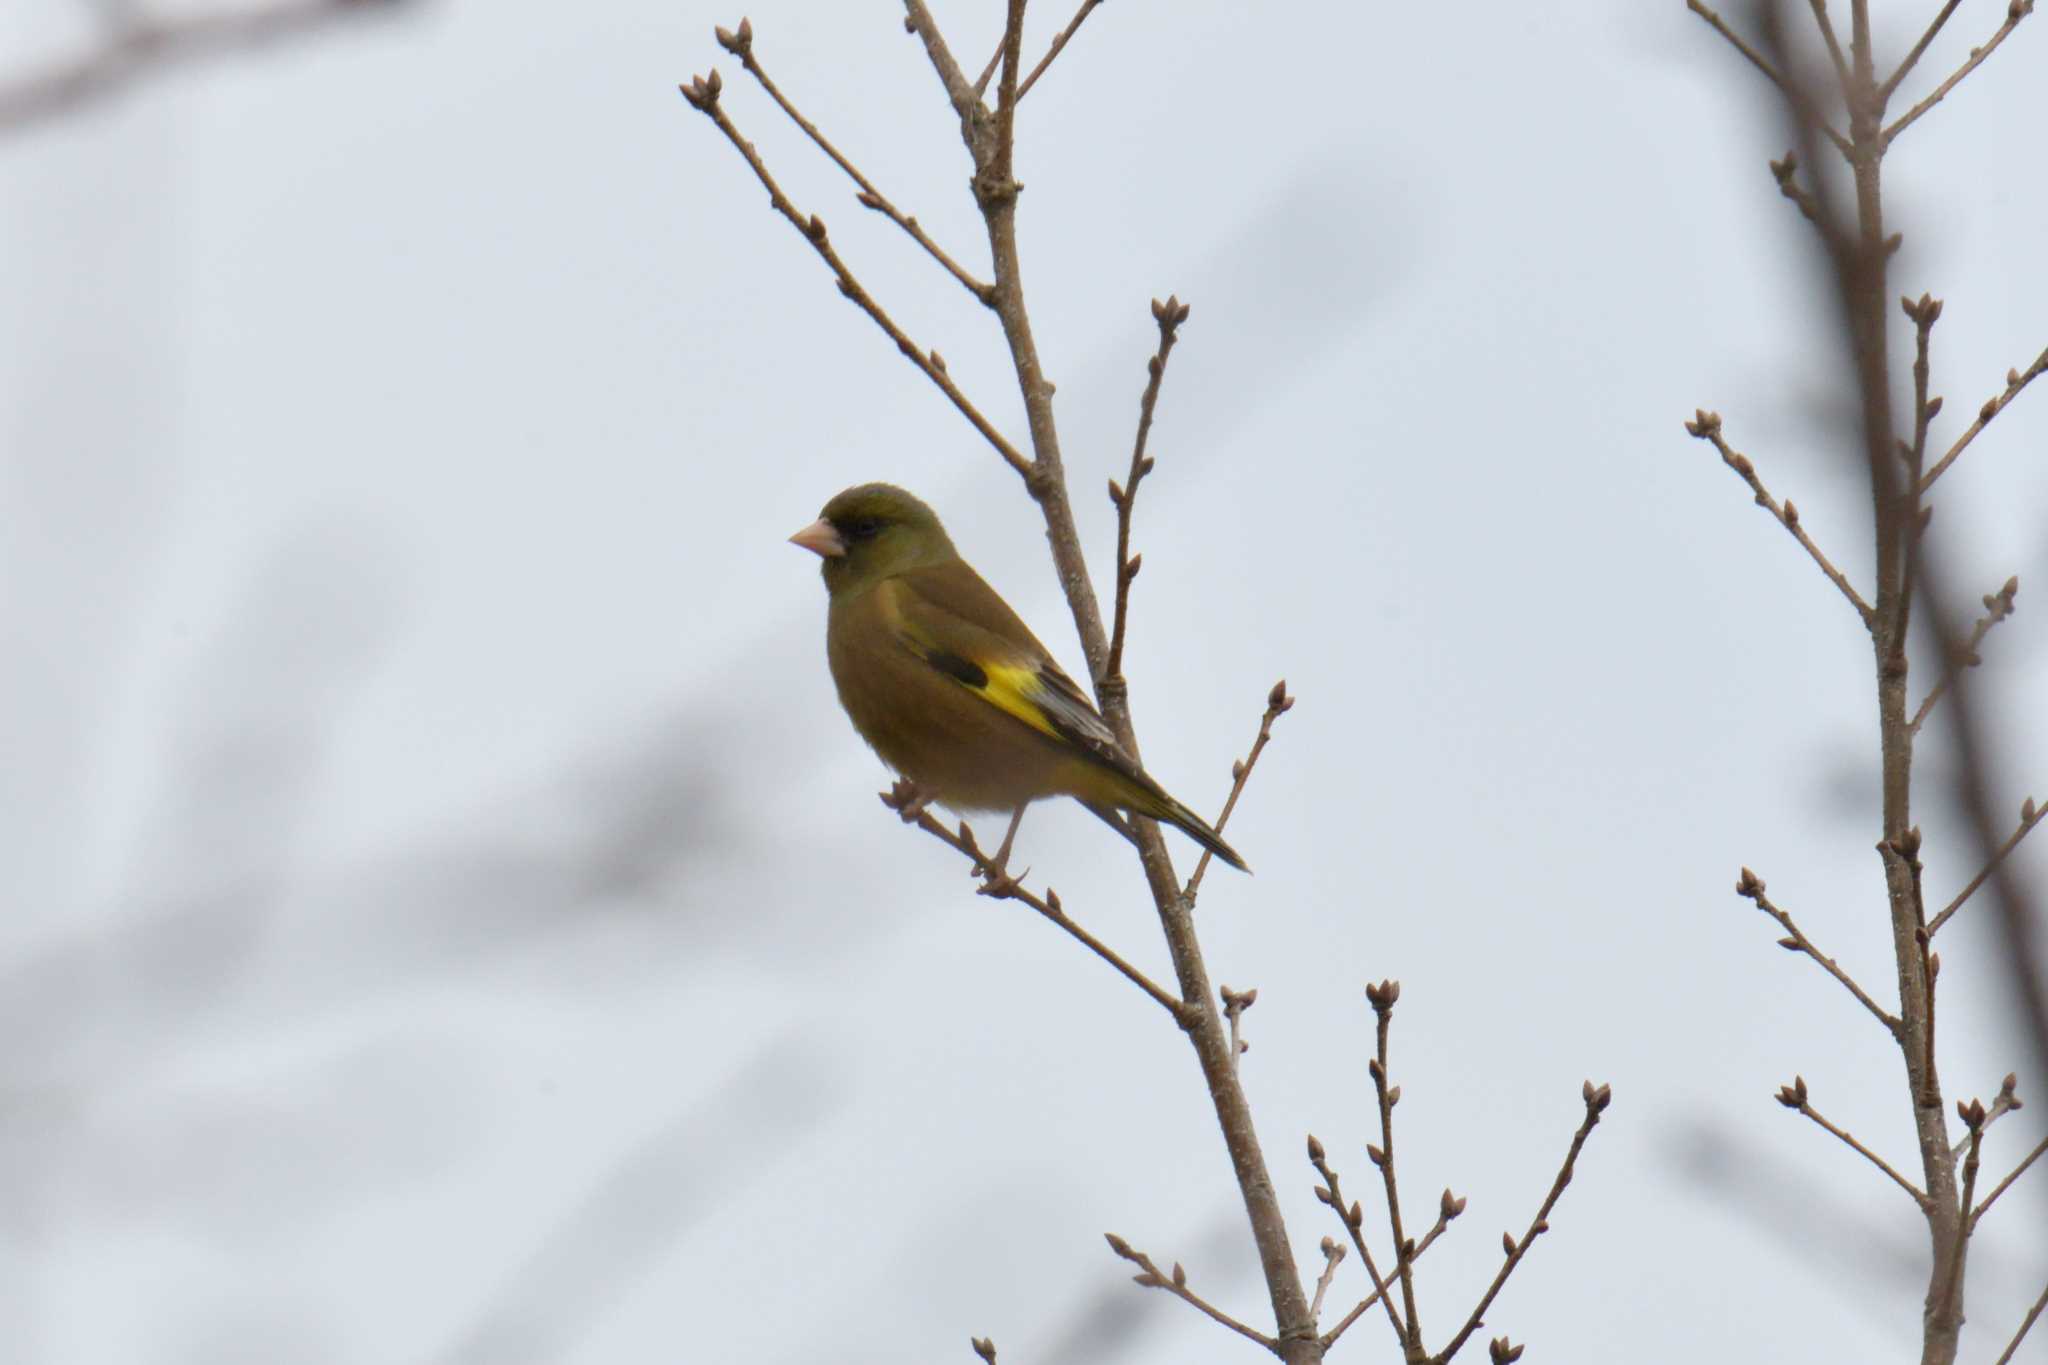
point(952, 690)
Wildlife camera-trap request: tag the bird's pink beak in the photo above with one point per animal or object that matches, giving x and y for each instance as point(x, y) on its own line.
point(821, 538)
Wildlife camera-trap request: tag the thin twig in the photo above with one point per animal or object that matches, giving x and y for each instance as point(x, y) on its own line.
point(143, 46)
point(1758, 60)
point(702, 93)
point(2015, 380)
point(2026, 1325)
point(1331, 1192)
point(1706, 426)
point(1334, 1252)
point(2030, 816)
point(1973, 1119)
point(1176, 1284)
point(1913, 56)
point(1448, 1208)
point(2003, 1103)
point(2005, 1184)
point(1005, 887)
point(1235, 1003)
point(1834, 44)
point(740, 43)
point(1073, 25)
point(1794, 1097)
point(1278, 704)
point(2014, 12)
point(1751, 887)
point(1383, 1001)
point(1597, 1099)
point(1169, 316)
point(1997, 606)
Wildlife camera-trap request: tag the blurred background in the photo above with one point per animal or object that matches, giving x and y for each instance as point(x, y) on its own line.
point(447, 918)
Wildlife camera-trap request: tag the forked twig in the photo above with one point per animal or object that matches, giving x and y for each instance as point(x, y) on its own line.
point(1762, 63)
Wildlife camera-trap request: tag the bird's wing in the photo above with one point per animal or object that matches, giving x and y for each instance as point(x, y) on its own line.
point(954, 621)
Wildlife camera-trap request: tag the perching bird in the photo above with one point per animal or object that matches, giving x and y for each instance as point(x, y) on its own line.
point(951, 688)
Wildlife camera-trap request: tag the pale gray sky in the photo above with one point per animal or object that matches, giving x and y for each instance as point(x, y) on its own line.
point(448, 919)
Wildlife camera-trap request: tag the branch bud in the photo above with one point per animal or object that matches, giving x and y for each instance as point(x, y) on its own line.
point(1450, 1206)
point(1507, 1243)
point(1120, 1246)
point(984, 1348)
point(1793, 1096)
point(1704, 425)
point(1315, 1151)
point(1375, 1155)
point(1597, 1097)
point(1180, 1276)
point(1501, 1351)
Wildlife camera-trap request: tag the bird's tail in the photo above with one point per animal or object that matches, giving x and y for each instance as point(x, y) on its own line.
point(1148, 798)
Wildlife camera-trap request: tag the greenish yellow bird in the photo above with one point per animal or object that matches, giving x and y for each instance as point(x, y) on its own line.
point(953, 691)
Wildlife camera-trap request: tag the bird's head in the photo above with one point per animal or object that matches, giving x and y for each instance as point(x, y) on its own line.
point(871, 532)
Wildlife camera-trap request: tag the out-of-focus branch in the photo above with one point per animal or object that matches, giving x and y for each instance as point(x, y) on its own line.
point(740, 42)
point(2015, 11)
point(1751, 887)
point(1763, 64)
point(702, 93)
point(1706, 426)
point(1278, 704)
point(138, 47)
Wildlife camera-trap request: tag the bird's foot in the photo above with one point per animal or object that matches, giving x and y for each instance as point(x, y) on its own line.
point(907, 800)
point(998, 883)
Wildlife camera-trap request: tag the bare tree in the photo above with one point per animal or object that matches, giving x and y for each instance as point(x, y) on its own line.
point(1212, 1023)
point(1844, 118)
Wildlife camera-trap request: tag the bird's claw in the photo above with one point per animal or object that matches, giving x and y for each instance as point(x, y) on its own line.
point(999, 883)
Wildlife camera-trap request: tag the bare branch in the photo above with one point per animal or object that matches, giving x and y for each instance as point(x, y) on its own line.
point(1383, 1001)
point(2026, 1325)
point(1448, 1208)
point(141, 47)
point(1176, 1284)
point(2005, 1184)
point(1973, 1118)
point(1169, 316)
point(2015, 380)
point(1334, 1252)
point(1331, 1192)
point(1997, 606)
point(2030, 816)
point(740, 43)
point(2014, 12)
point(1751, 887)
point(2004, 1103)
point(1706, 426)
point(1912, 57)
point(702, 93)
point(1278, 704)
point(1794, 1097)
point(1058, 44)
point(1761, 63)
point(1597, 1099)
point(903, 800)
point(1834, 44)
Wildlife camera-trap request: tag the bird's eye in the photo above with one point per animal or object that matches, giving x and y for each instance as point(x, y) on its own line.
point(863, 528)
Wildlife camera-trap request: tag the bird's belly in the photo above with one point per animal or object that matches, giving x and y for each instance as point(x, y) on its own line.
point(965, 752)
